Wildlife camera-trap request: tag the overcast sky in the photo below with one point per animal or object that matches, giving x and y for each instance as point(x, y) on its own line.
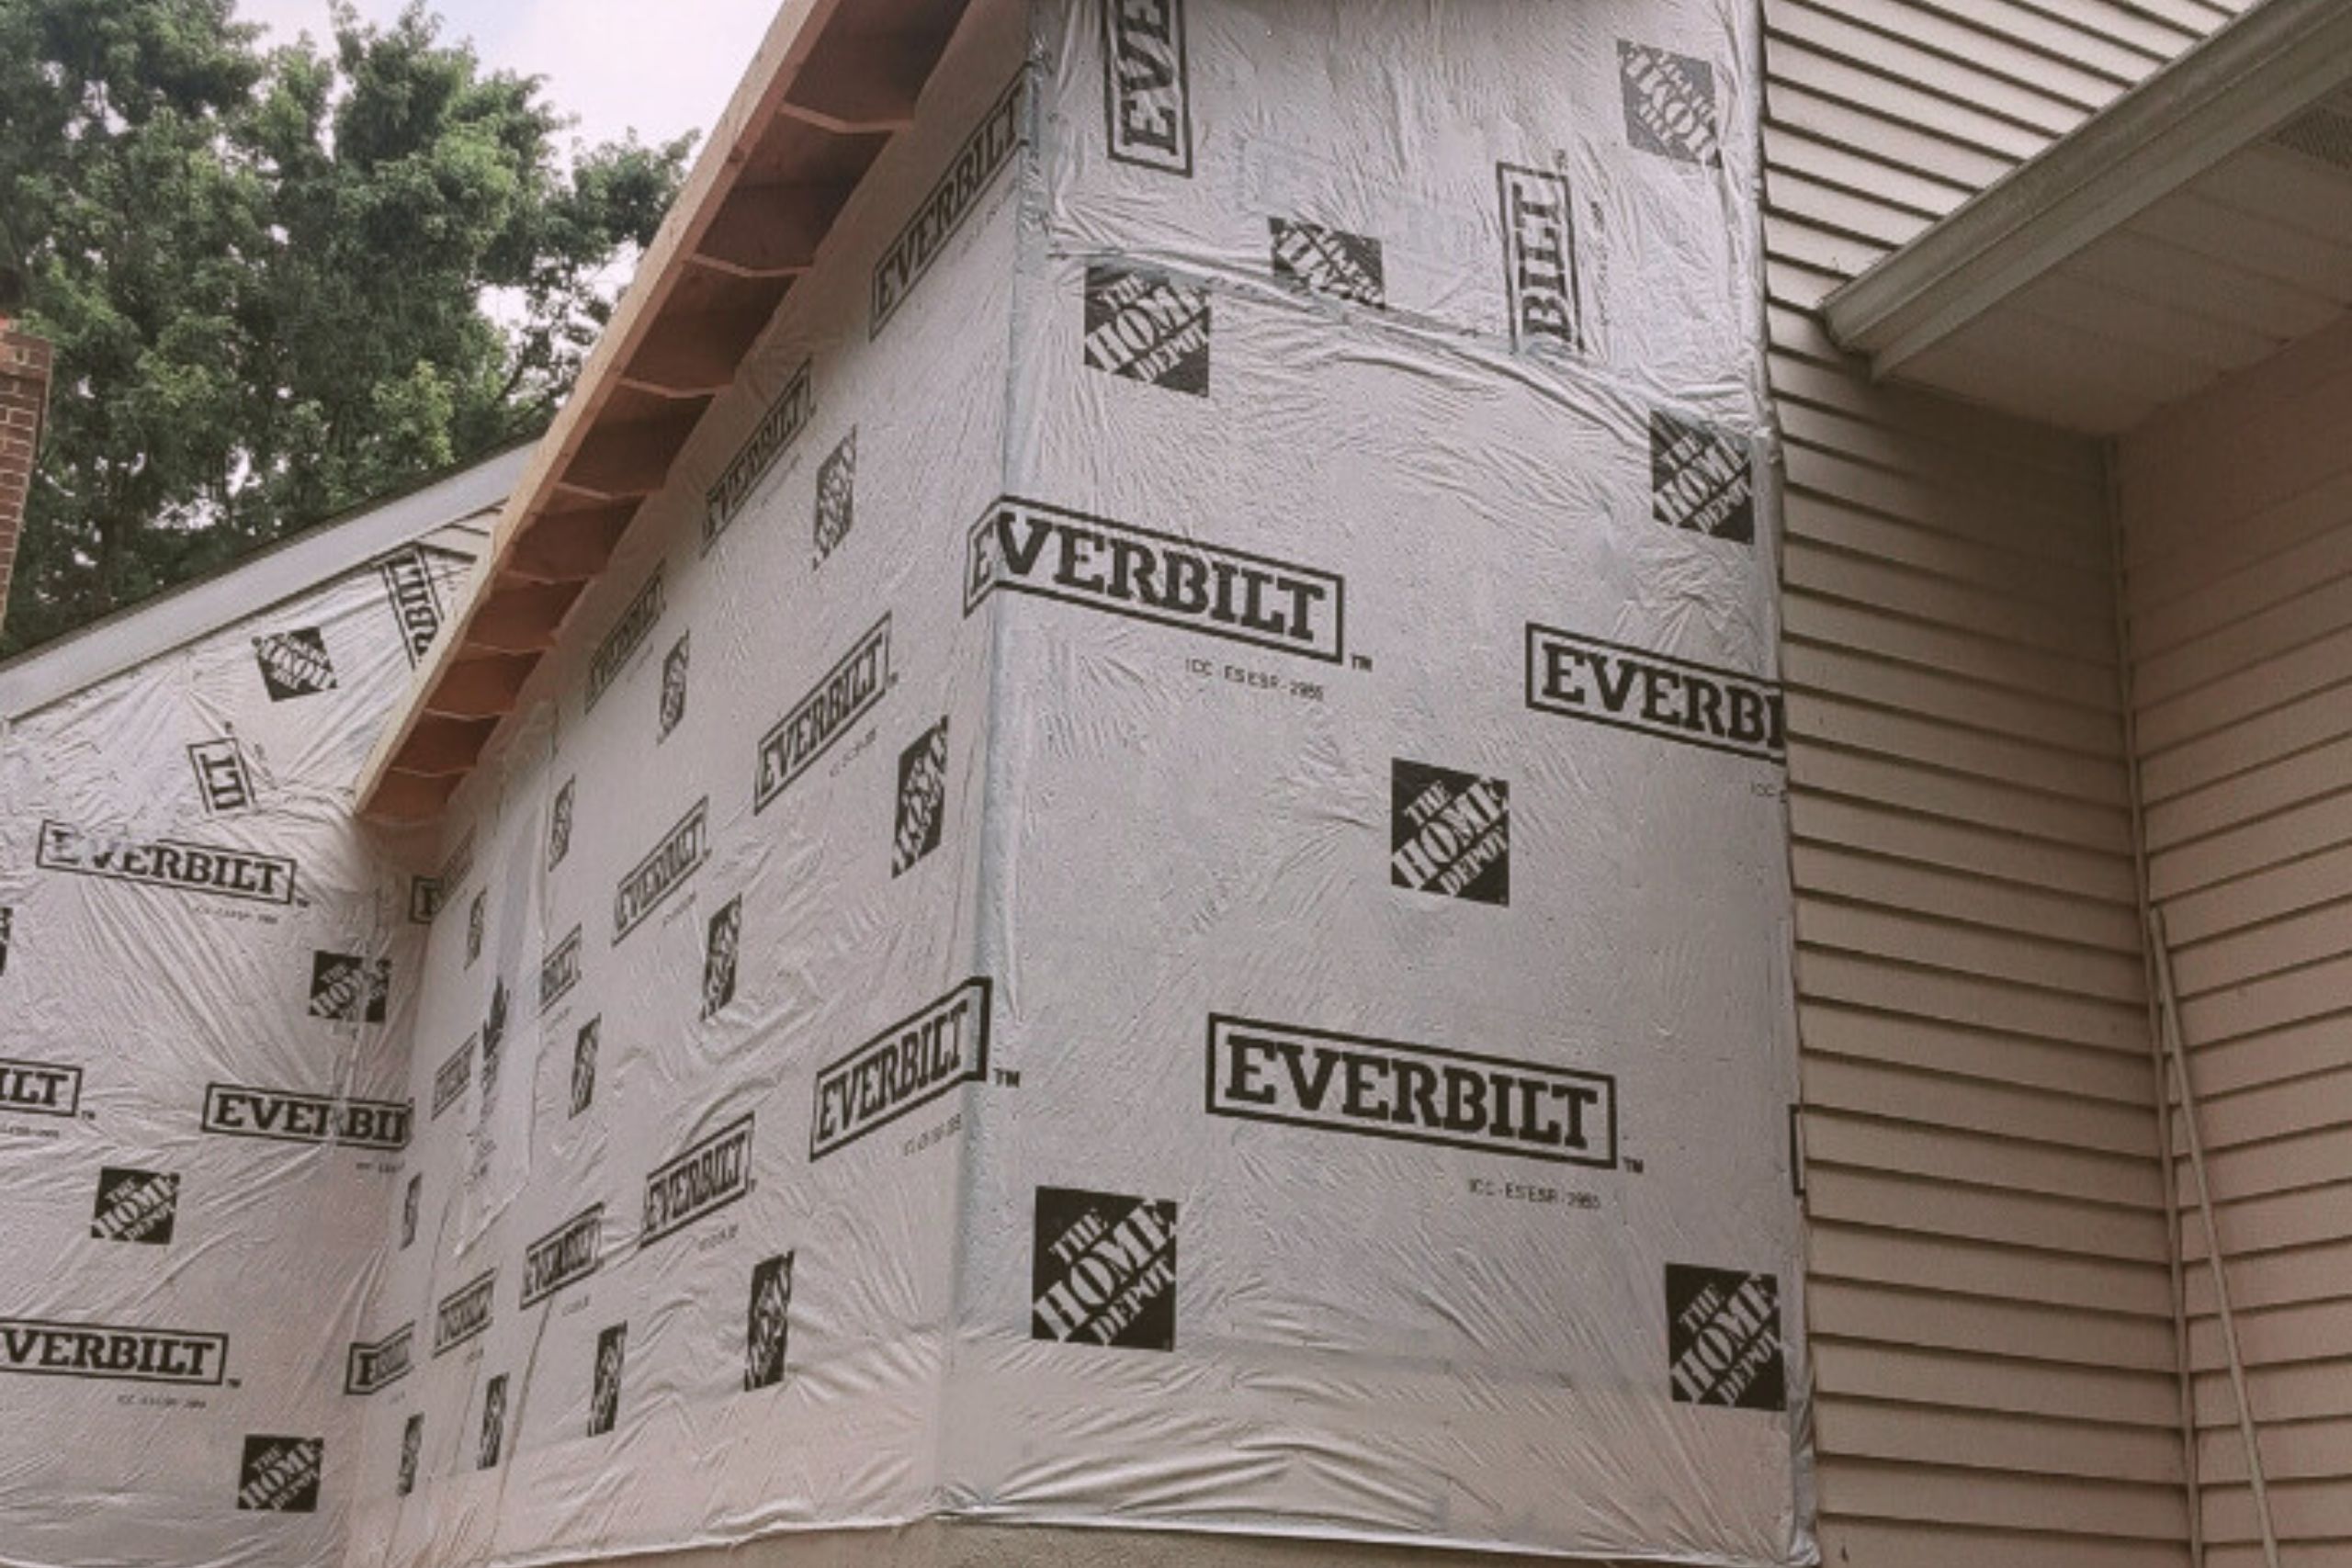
point(656, 66)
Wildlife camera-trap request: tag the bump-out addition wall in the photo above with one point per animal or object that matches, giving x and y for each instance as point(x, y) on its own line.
point(1154, 892)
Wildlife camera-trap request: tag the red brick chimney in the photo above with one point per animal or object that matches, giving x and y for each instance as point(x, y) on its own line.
point(24, 397)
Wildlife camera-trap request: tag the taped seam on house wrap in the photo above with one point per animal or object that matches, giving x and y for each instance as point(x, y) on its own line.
point(1154, 892)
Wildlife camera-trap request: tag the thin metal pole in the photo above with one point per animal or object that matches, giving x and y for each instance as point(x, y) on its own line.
point(2163, 952)
point(2191, 1484)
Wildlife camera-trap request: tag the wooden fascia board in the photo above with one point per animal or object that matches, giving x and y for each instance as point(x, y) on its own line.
point(790, 39)
point(2237, 86)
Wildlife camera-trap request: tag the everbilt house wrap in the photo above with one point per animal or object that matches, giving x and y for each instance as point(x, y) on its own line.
point(1152, 890)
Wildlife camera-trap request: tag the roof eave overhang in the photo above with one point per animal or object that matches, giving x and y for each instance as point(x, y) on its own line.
point(832, 83)
point(2239, 85)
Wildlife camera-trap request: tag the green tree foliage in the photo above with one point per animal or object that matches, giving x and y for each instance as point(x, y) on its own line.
point(280, 281)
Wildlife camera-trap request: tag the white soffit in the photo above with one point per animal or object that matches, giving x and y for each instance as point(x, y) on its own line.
point(2192, 229)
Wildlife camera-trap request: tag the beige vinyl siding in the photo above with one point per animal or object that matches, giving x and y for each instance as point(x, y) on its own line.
point(2237, 508)
point(1990, 1301)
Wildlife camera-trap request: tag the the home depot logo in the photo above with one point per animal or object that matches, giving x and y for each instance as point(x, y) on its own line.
point(40, 1089)
point(1388, 1089)
point(1670, 104)
point(367, 1368)
point(1147, 327)
point(1539, 259)
point(768, 441)
point(560, 823)
point(909, 1064)
point(349, 989)
point(1026, 547)
point(493, 1442)
point(1102, 1271)
point(416, 607)
point(222, 782)
point(1449, 833)
point(565, 1255)
point(673, 687)
point(280, 1475)
point(1147, 91)
point(836, 496)
point(664, 870)
point(769, 1325)
point(1723, 1339)
point(101, 1351)
point(135, 1205)
point(453, 1078)
point(720, 951)
point(285, 1116)
point(559, 970)
point(1330, 262)
point(923, 799)
point(604, 1391)
point(294, 664)
point(164, 862)
point(583, 1063)
point(412, 1449)
point(628, 634)
point(847, 694)
point(699, 1182)
point(463, 1314)
point(924, 239)
point(1701, 480)
point(1654, 693)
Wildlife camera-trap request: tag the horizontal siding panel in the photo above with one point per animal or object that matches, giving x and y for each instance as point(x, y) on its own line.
point(1899, 1545)
point(2281, 1336)
point(1984, 1268)
point(2272, 1110)
point(2265, 552)
point(2274, 947)
point(1998, 1109)
point(1828, 718)
point(2276, 1278)
point(2296, 562)
point(1982, 1383)
point(2308, 776)
point(1968, 897)
point(2045, 108)
point(1943, 1208)
point(1952, 697)
point(2300, 1050)
point(1928, 1321)
point(1909, 1149)
point(1941, 820)
point(2015, 958)
point(1929, 994)
point(1791, 57)
point(2235, 746)
point(2305, 1392)
point(2059, 1503)
point(2022, 671)
point(2285, 1164)
point(2036, 529)
point(2296, 1451)
point(1972, 1439)
point(2121, 1078)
